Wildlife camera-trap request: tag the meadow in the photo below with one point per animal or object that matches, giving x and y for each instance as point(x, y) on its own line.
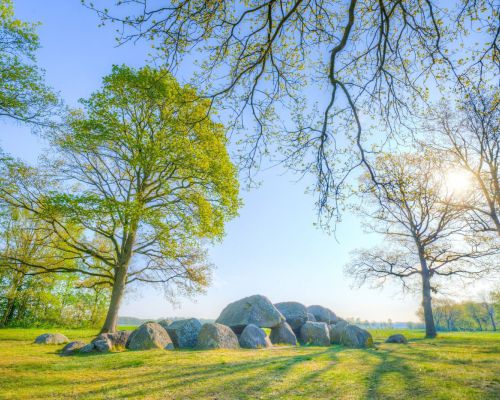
point(461, 365)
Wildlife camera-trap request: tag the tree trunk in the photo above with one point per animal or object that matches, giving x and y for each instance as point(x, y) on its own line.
point(116, 298)
point(430, 328)
point(9, 311)
point(120, 280)
point(493, 325)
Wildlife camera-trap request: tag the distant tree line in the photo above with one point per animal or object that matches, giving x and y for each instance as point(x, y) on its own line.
point(482, 315)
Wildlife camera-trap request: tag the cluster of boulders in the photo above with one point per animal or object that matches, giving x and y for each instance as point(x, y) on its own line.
point(241, 324)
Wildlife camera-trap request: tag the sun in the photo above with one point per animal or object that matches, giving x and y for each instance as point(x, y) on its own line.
point(457, 182)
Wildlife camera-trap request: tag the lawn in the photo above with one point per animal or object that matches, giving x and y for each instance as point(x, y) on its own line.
point(453, 366)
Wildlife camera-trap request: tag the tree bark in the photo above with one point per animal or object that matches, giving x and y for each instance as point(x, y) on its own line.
point(120, 280)
point(116, 298)
point(430, 328)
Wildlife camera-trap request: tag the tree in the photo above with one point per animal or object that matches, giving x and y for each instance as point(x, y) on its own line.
point(266, 59)
point(29, 296)
point(23, 94)
point(470, 137)
point(423, 234)
point(146, 176)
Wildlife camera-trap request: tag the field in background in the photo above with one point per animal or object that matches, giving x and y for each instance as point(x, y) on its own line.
point(453, 366)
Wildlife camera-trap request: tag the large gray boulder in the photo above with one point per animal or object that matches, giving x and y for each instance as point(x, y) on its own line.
point(283, 334)
point(294, 313)
point(310, 317)
point(315, 333)
point(184, 333)
point(116, 339)
point(72, 348)
point(165, 323)
point(51, 338)
point(354, 336)
point(149, 336)
point(254, 337)
point(256, 309)
point(397, 338)
point(322, 314)
point(336, 331)
point(216, 336)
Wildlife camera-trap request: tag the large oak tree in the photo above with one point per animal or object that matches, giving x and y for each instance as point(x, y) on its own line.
point(425, 235)
point(147, 177)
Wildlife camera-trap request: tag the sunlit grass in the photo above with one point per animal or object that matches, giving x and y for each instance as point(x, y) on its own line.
point(453, 366)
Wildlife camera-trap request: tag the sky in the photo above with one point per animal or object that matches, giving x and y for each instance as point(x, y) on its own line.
point(272, 248)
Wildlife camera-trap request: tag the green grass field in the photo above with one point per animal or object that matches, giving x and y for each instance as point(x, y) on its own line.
point(454, 366)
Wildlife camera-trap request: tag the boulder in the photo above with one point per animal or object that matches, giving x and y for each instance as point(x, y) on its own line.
point(353, 336)
point(184, 333)
point(51, 338)
point(336, 331)
point(322, 314)
point(216, 336)
point(256, 310)
point(88, 348)
point(283, 334)
point(254, 337)
point(72, 348)
point(315, 333)
point(116, 339)
point(103, 346)
point(165, 323)
point(397, 338)
point(311, 318)
point(149, 336)
point(294, 313)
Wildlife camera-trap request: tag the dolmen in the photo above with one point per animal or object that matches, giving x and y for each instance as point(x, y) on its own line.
point(241, 324)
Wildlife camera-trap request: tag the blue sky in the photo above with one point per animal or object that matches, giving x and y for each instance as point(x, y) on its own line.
point(272, 248)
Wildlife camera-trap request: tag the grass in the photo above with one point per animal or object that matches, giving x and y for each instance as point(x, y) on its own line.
point(453, 366)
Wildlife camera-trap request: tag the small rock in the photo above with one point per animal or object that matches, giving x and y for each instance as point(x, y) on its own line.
point(397, 338)
point(89, 348)
point(103, 346)
point(72, 348)
point(216, 336)
point(315, 333)
point(253, 337)
point(51, 338)
point(283, 334)
point(116, 339)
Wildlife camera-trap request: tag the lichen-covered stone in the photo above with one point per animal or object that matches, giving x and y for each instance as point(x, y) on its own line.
point(256, 310)
point(336, 331)
point(72, 348)
point(116, 339)
point(216, 336)
point(254, 337)
point(283, 334)
point(51, 338)
point(353, 336)
point(294, 313)
point(315, 333)
point(148, 336)
point(322, 314)
point(184, 333)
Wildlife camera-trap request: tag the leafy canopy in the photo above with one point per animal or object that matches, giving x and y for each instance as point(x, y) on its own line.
point(23, 94)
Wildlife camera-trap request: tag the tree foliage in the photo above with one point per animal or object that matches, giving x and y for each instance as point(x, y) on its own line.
point(23, 94)
point(425, 236)
point(269, 61)
point(145, 176)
